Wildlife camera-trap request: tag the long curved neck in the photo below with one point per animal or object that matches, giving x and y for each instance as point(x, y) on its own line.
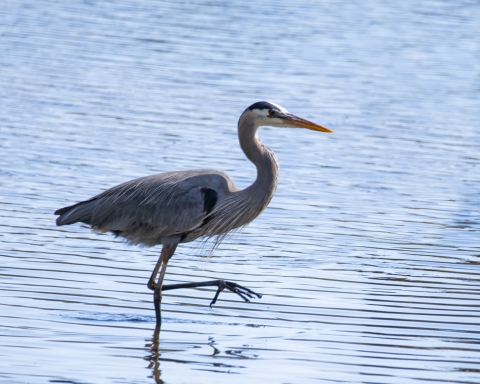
point(264, 159)
point(240, 207)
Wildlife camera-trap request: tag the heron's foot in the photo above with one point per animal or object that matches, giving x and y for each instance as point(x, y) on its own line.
point(244, 292)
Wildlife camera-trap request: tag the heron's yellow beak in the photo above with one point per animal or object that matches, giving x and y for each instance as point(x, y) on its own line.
point(296, 121)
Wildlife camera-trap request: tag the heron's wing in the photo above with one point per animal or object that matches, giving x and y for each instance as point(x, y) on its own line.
point(151, 207)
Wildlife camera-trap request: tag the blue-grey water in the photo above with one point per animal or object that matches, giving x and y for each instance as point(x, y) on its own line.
point(368, 255)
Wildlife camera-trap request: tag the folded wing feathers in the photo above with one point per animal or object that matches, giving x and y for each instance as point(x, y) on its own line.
point(149, 207)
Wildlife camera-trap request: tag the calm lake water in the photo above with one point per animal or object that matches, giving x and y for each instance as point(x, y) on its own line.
point(369, 254)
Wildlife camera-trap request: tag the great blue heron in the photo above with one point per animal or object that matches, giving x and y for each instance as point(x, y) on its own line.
point(179, 207)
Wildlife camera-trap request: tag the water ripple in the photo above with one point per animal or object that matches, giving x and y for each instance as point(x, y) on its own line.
point(367, 257)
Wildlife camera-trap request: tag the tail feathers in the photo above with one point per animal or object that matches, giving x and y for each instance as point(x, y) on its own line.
point(61, 211)
point(80, 212)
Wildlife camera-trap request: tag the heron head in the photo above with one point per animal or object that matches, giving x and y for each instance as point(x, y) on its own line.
point(273, 115)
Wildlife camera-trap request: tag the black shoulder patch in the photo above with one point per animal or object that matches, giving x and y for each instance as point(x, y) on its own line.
point(262, 105)
point(210, 198)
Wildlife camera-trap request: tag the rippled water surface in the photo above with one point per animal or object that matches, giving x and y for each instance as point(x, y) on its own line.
point(369, 254)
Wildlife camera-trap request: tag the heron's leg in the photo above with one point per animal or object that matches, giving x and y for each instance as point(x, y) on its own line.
point(160, 269)
point(240, 290)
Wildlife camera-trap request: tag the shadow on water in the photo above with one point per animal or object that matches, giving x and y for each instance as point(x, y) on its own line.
point(155, 359)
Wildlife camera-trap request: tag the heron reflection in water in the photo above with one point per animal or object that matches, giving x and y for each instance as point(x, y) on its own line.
point(179, 207)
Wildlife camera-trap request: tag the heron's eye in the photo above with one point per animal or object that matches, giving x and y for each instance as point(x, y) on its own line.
point(271, 113)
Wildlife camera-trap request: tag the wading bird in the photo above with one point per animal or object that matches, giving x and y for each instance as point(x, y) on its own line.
point(179, 207)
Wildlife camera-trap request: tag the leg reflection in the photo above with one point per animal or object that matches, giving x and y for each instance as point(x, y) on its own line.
point(154, 357)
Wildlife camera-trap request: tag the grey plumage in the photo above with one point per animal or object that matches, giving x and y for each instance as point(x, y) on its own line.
point(174, 207)
point(149, 209)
